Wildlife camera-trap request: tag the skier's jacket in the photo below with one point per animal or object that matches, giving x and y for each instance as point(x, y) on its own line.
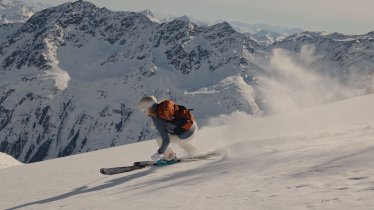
point(177, 115)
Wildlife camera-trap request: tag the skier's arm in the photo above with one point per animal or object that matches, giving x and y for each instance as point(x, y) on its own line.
point(160, 126)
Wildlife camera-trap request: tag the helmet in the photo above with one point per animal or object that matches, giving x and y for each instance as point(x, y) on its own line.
point(145, 103)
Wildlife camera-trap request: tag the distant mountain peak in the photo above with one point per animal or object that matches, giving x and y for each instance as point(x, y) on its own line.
point(80, 4)
point(371, 34)
point(255, 28)
point(148, 13)
point(184, 18)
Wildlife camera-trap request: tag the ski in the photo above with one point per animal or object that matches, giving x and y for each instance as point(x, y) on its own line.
point(159, 163)
point(135, 166)
point(117, 170)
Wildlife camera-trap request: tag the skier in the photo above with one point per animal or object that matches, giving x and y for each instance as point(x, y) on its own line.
point(175, 123)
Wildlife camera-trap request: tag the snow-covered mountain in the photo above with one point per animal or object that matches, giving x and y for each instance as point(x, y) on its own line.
point(71, 76)
point(241, 27)
point(261, 27)
point(337, 54)
point(12, 11)
point(311, 68)
point(264, 34)
point(316, 158)
point(265, 38)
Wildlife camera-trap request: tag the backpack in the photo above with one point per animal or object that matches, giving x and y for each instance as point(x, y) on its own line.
point(178, 115)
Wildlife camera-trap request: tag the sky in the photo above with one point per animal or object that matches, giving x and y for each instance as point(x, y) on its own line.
point(344, 16)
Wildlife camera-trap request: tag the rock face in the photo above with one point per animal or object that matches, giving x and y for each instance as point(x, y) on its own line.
point(71, 75)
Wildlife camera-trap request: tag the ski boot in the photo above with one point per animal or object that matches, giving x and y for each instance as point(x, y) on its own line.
point(168, 160)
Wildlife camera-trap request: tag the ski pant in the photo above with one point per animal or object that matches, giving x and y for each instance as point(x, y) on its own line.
point(185, 144)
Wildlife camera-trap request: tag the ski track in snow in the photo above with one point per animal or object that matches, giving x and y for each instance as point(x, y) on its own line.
point(316, 158)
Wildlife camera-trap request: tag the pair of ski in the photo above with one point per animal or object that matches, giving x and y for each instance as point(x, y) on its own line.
point(144, 164)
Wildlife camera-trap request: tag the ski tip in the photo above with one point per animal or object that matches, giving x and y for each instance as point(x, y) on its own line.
point(102, 171)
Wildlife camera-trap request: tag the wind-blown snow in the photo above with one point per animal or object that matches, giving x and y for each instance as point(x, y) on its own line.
point(291, 82)
point(314, 158)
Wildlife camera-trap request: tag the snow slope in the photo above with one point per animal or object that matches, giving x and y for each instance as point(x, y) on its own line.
point(314, 158)
point(8, 161)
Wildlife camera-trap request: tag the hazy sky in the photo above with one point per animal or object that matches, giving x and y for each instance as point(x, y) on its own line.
point(345, 16)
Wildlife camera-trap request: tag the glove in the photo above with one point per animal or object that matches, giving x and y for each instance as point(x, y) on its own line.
point(156, 156)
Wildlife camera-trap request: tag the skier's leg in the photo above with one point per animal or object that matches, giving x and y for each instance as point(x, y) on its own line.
point(169, 154)
point(184, 141)
point(189, 148)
